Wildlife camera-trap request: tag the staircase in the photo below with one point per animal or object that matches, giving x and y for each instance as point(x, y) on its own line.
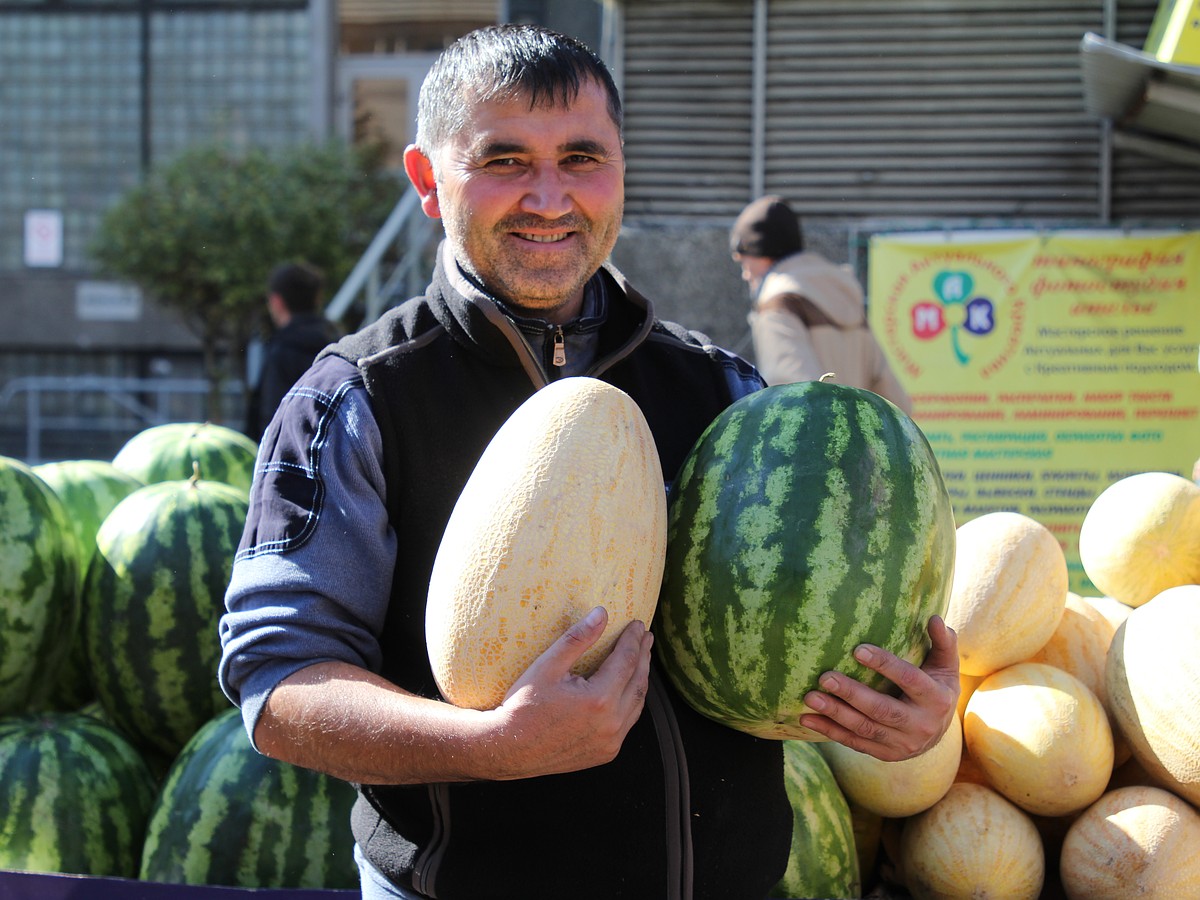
point(394, 267)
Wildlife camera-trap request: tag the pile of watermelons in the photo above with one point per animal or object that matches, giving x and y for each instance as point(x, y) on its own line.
point(119, 755)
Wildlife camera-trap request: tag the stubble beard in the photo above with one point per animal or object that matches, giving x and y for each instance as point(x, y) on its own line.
point(530, 287)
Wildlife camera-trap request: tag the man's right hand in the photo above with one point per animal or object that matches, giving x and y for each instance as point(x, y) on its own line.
point(350, 723)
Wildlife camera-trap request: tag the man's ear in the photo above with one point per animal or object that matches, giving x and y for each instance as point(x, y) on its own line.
point(419, 170)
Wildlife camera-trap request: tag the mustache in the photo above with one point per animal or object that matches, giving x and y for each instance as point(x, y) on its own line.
point(537, 223)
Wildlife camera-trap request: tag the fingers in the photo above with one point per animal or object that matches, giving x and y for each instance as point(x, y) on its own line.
point(943, 650)
point(881, 725)
point(576, 640)
point(633, 696)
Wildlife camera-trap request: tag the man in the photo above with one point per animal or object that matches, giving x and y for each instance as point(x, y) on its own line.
point(601, 787)
point(299, 333)
point(809, 315)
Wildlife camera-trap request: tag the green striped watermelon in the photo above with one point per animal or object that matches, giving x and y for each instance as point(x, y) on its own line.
point(153, 598)
point(89, 490)
point(229, 815)
point(75, 796)
point(39, 587)
point(824, 858)
point(170, 452)
point(807, 519)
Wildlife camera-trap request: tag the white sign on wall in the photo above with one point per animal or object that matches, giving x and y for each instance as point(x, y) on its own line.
point(43, 238)
point(105, 301)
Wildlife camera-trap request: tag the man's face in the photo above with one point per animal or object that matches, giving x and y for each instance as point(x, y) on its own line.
point(532, 199)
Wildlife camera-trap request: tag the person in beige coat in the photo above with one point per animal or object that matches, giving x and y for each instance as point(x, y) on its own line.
point(809, 314)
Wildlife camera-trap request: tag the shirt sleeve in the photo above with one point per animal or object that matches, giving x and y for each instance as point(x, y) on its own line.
point(312, 577)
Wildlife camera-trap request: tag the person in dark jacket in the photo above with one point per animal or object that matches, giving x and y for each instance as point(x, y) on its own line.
point(607, 786)
point(299, 333)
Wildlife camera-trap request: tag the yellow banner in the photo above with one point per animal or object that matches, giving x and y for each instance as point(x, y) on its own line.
point(1044, 367)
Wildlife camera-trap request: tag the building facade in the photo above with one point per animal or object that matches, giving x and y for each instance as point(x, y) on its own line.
point(869, 116)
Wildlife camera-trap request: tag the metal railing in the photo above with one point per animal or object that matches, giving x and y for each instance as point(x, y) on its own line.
point(144, 402)
point(392, 268)
point(404, 238)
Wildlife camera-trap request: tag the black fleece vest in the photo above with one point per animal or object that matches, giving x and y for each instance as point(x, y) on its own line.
point(443, 375)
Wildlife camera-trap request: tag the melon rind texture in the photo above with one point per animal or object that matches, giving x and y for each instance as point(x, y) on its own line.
point(565, 511)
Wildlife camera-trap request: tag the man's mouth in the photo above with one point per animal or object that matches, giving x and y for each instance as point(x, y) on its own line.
point(543, 238)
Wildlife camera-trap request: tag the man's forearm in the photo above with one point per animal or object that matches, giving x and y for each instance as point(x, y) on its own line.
point(346, 722)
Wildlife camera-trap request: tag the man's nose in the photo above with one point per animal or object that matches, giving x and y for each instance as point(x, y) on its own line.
point(546, 193)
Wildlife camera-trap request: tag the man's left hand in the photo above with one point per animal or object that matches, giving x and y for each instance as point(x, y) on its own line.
point(886, 727)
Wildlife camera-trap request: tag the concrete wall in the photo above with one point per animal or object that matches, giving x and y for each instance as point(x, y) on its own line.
point(686, 271)
point(688, 276)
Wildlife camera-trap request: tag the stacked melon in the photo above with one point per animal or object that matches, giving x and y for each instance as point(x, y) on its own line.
point(1079, 773)
point(112, 580)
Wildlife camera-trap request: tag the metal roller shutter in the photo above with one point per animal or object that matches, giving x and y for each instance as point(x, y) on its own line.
point(931, 108)
point(927, 109)
point(687, 91)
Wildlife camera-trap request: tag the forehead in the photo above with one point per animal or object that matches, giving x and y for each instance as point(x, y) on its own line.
point(553, 121)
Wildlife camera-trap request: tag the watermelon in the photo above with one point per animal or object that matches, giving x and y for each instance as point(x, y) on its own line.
point(808, 518)
point(75, 796)
point(227, 815)
point(39, 587)
point(89, 490)
point(152, 601)
point(173, 451)
point(824, 857)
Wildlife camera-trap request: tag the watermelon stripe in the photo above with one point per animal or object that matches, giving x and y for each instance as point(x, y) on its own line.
point(167, 453)
point(228, 815)
point(824, 857)
point(154, 597)
point(807, 497)
point(39, 586)
point(74, 796)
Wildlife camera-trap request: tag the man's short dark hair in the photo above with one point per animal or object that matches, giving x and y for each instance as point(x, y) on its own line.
point(501, 62)
point(298, 284)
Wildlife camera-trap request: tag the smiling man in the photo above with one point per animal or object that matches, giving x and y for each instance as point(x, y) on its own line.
point(607, 786)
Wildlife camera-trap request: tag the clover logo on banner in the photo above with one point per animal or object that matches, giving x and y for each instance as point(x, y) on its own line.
point(957, 310)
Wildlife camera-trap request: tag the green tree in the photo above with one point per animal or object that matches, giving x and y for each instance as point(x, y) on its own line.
point(202, 232)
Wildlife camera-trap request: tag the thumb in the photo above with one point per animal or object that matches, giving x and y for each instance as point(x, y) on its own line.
point(575, 641)
point(556, 660)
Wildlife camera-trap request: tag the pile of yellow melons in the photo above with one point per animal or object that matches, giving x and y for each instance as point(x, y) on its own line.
point(1073, 769)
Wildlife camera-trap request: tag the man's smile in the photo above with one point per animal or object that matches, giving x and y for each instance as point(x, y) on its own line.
point(543, 238)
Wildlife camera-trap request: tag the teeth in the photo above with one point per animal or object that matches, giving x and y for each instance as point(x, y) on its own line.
point(544, 238)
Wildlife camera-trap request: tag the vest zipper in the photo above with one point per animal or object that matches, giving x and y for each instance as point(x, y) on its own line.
point(560, 347)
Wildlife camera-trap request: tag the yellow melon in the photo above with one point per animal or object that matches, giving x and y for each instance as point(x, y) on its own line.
point(1041, 737)
point(1141, 535)
point(565, 511)
point(896, 789)
point(1153, 681)
point(972, 843)
point(1133, 842)
point(1079, 646)
point(1009, 591)
point(969, 770)
point(1114, 610)
point(966, 687)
